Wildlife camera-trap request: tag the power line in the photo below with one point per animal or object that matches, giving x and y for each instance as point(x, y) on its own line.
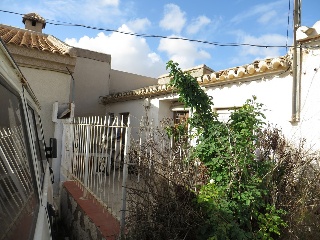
point(61, 23)
point(288, 24)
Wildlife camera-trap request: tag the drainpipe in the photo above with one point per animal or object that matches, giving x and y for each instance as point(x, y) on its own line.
point(296, 64)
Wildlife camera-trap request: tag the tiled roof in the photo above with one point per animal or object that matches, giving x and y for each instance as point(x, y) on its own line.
point(34, 40)
point(155, 90)
point(248, 72)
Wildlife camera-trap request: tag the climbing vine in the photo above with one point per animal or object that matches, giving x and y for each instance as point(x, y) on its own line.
point(191, 94)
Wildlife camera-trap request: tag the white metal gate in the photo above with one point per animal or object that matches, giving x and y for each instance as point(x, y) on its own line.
point(95, 155)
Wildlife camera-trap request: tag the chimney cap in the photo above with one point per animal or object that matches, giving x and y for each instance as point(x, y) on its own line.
point(34, 17)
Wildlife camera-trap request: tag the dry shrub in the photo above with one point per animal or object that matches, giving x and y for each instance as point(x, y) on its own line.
point(161, 195)
point(163, 187)
point(294, 184)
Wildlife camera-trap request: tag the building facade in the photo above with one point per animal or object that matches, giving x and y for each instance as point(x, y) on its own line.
point(292, 103)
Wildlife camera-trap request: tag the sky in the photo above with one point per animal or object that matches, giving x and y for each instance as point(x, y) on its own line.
point(261, 22)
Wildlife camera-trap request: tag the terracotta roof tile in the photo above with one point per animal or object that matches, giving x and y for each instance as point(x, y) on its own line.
point(17, 38)
point(36, 40)
point(252, 71)
point(25, 39)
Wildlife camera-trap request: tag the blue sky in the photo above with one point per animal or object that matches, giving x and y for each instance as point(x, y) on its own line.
point(262, 22)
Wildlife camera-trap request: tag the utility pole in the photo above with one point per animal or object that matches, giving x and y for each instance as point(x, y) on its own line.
point(296, 64)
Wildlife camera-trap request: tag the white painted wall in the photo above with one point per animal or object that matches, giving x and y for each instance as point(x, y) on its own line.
point(274, 93)
point(92, 79)
point(49, 87)
point(164, 108)
point(136, 110)
point(159, 109)
point(123, 81)
point(309, 125)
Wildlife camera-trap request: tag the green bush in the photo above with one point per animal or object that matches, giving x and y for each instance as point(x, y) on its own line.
point(237, 199)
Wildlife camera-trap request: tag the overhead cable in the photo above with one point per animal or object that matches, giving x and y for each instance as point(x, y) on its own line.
point(289, 10)
point(60, 23)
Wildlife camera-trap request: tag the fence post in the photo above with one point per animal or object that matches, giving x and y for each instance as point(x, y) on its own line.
point(86, 160)
point(124, 180)
point(66, 155)
point(70, 147)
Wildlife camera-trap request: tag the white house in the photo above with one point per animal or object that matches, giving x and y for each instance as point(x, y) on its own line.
point(43, 60)
point(61, 73)
point(291, 103)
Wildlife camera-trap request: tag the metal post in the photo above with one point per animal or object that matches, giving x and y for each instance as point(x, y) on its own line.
point(296, 64)
point(124, 180)
point(86, 160)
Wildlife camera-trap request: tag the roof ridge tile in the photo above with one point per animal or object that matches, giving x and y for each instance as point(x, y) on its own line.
point(35, 40)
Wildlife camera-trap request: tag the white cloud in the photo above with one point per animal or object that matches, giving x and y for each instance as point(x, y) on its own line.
point(260, 10)
point(109, 2)
point(128, 53)
point(266, 40)
point(154, 57)
point(139, 25)
point(267, 17)
point(174, 19)
point(197, 24)
point(247, 54)
point(80, 11)
point(183, 52)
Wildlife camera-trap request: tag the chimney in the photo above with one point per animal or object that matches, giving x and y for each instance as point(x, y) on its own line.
point(34, 22)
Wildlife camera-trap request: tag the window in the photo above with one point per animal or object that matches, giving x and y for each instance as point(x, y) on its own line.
point(180, 117)
point(224, 113)
point(19, 201)
point(180, 128)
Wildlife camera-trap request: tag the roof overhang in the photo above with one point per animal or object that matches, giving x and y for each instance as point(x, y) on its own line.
point(250, 72)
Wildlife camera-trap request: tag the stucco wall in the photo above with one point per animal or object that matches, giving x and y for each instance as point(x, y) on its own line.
point(309, 125)
point(274, 93)
point(123, 81)
point(159, 109)
point(135, 108)
point(49, 87)
point(164, 108)
point(92, 76)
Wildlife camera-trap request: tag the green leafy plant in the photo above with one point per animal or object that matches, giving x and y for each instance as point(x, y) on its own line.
point(237, 199)
point(177, 131)
point(191, 94)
